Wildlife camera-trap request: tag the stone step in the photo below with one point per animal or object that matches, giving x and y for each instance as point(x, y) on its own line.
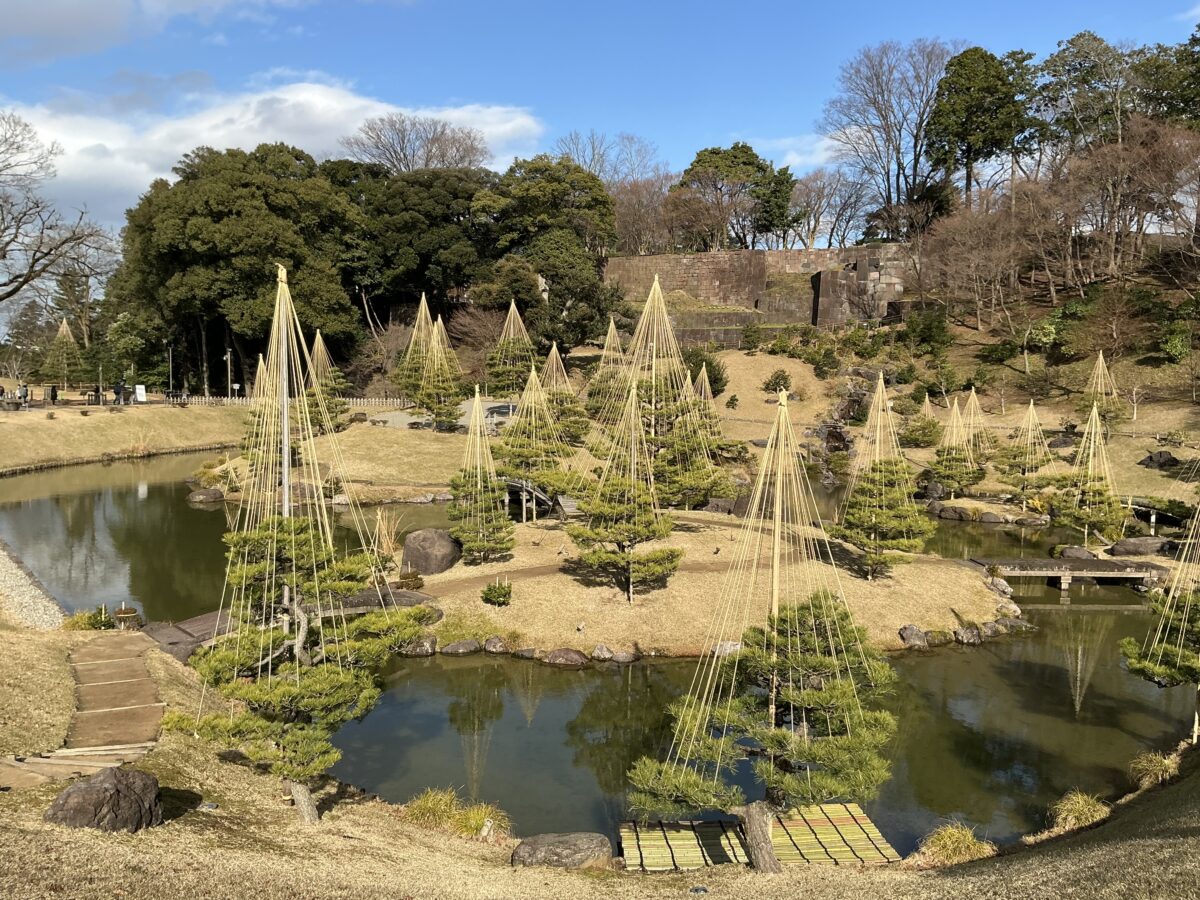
point(101, 727)
point(16, 777)
point(53, 769)
point(117, 694)
point(110, 670)
point(108, 648)
point(103, 750)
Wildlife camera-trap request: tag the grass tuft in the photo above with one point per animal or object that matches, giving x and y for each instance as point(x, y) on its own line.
point(482, 821)
point(433, 808)
point(950, 845)
point(1075, 809)
point(1149, 768)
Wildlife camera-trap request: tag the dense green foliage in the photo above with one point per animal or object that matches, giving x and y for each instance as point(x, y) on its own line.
point(881, 516)
point(697, 357)
point(954, 470)
point(479, 514)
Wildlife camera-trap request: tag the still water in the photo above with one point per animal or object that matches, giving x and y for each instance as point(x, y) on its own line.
point(990, 735)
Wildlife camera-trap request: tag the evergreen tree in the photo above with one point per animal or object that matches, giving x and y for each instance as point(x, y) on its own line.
point(621, 516)
point(880, 515)
point(797, 696)
point(329, 392)
point(480, 516)
point(953, 469)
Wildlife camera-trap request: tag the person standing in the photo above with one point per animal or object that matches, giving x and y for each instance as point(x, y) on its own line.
point(54, 395)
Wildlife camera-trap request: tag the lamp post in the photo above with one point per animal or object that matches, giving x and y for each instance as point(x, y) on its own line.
point(229, 373)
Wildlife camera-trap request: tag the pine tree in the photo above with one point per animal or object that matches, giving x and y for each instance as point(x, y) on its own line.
point(531, 447)
point(570, 415)
point(954, 466)
point(327, 391)
point(441, 389)
point(510, 360)
point(479, 508)
point(408, 374)
point(880, 515)
point(1091, 500)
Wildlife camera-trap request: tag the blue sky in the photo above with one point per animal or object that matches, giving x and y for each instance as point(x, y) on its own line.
point(126, 86)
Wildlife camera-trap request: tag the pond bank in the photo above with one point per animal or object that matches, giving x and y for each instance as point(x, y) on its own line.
point(24, 600)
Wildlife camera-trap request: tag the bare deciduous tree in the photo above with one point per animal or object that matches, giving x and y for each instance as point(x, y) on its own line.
point(405, 143)
point(36, 240)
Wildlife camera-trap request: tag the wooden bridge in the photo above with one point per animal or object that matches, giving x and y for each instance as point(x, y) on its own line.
point(1064, 570)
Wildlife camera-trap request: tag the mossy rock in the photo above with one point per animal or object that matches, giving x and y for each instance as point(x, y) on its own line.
point(938, 638)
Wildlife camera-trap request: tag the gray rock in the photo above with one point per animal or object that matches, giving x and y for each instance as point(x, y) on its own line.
point(937, 638)
point(1015, 626)
point(933, 507)
point(1061, 441)
point(1008, 610)
point(913, 638)
point(989, 630)
point(565, 656)
point(570, 850)
point(968, 636)
point(625, 657)
point(1033, 521)
point(991, 518)
point(935, 490)
point(720, 505)
point(602, 653)
point(462, 648)
point(431, 550)
point(425, 645)
point(115, 799)
point(495, 644)
point(958, 513)
point(340, 500)
point(525, 653)
point(357, 417)
point(1000, 586)
point(1075, 553)
point(726, 648)
point(206, 495)
point(1139, 546)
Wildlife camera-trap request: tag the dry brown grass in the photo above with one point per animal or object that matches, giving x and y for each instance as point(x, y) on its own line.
point(398, 462)
point(30, 439)
point(37, 693)
point(548, 605)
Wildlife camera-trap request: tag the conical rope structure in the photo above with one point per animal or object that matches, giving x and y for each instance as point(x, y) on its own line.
point(783, 599)
point(554, 374)
point(1096, 506)
point(284, 479)
point(879, 512)
point(703, 386)
point(479, 508)
point(409, 372)
point(954, 466)
point(1027, 462)
point(512, 356)
point(1085, 640)
point(676, 434)
point(322, 362)
point(439, 390)
point(607, 386)
point(979, 437)
point(441, 341)
point(927, 408)
point(1101, 389)
point(955, 437)
point(63, 360)
point(532, 449)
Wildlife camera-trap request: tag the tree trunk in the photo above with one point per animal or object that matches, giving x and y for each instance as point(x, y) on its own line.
point(302, 655)
point(303, 798)
point(756, 819)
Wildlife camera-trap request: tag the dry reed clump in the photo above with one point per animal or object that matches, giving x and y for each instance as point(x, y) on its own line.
point(1149, 768)
point(1075, 809)
point(440, 809)
point(950, 845)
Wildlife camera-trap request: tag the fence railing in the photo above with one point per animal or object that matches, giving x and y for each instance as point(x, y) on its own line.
point(355, 402)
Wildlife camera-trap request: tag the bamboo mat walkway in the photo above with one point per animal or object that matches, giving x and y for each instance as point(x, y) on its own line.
point(836, 834)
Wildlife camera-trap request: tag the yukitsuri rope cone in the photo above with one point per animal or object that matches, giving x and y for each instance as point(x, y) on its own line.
point(441, 342)
point(62, 359)
point(1025, 457)
point(676, 436)
point(532, 449)
point(322, 362)
point(879, 513)
point(782, 599)
point(608, 385)
point(554, 374)
point(285, 578)
point(1085, 640)
point(511, 358)
point(408, 374)
point(1097, 507)
point(1101, 388)
point(979, 437)
point(479, 508)
point(954, 465)
point(927, 408)
point(570, 415)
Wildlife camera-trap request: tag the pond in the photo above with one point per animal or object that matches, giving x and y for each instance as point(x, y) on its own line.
point(123, 531)
point(990, 735)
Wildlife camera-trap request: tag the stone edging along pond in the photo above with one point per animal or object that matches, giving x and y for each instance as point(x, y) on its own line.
point(110, 458)
point(23, 596)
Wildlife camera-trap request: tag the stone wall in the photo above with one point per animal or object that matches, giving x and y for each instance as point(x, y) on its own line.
point(825, 287)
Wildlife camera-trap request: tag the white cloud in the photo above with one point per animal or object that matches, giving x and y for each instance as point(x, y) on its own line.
point(44, 29)
point(801, 152)
point(110, 156)
point(1189, 15)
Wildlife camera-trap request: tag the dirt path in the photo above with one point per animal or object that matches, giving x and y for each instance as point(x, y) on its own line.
point(117, 700)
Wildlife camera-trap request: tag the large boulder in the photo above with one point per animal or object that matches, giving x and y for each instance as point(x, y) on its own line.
point(1075, 553)
point(565, 656)
point(1141, 546)
point(968, 636)
point(1033, 521)
point(913, 638)
point(206, 495)
point(1061, 441)
point(425, 645)
point(462, 648)
point(990, 518)
point(495, 644)
point(570, 850)
point(1015, 626)
point(989, 630)
point(938, 638)
point(959, 513)
point(115, 799)
point(602, 654)
point(934, 490)
point(625, 657)
point(431, 550)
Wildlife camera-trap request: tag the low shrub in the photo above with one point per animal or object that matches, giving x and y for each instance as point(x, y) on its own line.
point(1149, 768)
point(97, 619)
point(921, 431)
point(497, 593)
point(951, 844)
point(732, 402)
point(777, 381)
point(1075, 809)
point(905, 406)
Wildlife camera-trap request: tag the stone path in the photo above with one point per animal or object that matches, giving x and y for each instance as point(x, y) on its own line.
point(117, 714)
